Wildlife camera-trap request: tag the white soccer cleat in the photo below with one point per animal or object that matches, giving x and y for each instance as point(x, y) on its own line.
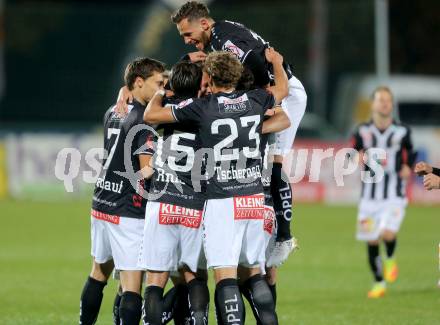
point(281, 252)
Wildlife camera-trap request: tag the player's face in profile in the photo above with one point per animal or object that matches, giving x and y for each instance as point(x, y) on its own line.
point(382, 103)
point(194, 32)
point(151, 85)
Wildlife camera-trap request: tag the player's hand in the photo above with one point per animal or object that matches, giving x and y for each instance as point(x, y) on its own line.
point(197, 56)
point(273, 56)
point(124, 97)
point(405, 172)
point(423, 168)
point(431, 181)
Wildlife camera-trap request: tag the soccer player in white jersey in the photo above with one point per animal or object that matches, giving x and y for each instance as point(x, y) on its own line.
point(383, 198)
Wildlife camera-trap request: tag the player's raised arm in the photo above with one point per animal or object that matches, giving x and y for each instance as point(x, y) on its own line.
point(277, 122)
point(155, 113)
point(281, 88)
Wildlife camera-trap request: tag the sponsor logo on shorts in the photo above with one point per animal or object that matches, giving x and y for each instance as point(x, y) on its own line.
point(105, 217)
point(170, 214)
point(269, 219)
point(249, 207)
point(366, 225)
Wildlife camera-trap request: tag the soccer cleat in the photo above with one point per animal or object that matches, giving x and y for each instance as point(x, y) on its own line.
point(281, 252)
point(391, 270)
point(378, 290)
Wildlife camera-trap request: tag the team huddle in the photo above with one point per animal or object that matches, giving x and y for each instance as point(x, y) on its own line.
point(206, 188)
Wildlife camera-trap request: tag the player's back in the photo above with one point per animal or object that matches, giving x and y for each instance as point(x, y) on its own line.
point(115, 194)
point(230, 128)
point(175, 159)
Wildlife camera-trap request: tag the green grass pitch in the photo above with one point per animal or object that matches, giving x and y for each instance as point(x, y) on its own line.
point(45, 248)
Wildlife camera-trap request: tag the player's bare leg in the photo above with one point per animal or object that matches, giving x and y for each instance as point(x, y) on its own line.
point(130, 308)
point(391, 270)
point(153, 297)
point(198, 295)
point(91, 296)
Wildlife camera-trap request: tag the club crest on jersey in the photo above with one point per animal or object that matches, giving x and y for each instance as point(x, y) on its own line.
point(249, 207)
point(234, 49)
point(234, 105)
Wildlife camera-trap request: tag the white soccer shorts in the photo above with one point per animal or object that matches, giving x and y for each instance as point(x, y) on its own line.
point(376, 216)
point(294, 105)
point(117, 238)
point(233, 231)
point(172, 238)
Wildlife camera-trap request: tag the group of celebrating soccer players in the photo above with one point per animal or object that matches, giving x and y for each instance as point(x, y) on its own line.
point(193, 180)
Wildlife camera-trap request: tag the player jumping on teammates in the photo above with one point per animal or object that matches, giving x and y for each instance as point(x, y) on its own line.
point(118, 209)
point(383, 201)
point(229, 124)
point(197, 27)
point(174, 214)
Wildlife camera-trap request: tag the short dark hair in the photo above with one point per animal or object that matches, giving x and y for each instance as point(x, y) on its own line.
point(142, 67)
point(191, 10)
point(224, 68)
point(185, 79)
point(247, 81)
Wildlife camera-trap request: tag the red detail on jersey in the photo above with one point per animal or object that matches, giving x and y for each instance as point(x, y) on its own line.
point(105, 217)
point(137, 201)
point(249, 207)
point(404, 156)
point(170, 214)
point(269, 219)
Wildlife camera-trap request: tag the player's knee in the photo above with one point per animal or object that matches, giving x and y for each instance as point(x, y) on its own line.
point(130, 308)
point(102, 272)
point(388, 235)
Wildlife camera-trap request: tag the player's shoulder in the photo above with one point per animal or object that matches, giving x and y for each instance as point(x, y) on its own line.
point(363, 127)
point(402, 126)
point(224, 26)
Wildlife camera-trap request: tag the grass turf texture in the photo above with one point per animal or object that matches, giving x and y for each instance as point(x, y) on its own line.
point(44, 261)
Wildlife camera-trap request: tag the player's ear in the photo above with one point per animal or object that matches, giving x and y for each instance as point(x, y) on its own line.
point(139, 82)
point(204, 23)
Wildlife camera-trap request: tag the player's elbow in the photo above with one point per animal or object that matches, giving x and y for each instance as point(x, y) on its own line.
point(149, 117)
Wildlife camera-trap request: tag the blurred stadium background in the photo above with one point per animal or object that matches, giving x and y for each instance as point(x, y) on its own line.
point(61, 65)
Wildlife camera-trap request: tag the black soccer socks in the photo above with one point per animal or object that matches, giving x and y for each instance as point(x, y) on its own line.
point(130, 309)
point(198, 301)
point(282, 200)
point(153, 305)
point(229, 305)
point(181, 315)
point(169, 305)
point(91, 298)
point(273, 291)
point(390, 247)
point(116, 304)
point(375, 262)
point(261, 300)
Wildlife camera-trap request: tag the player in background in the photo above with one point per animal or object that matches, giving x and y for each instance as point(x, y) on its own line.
point(229, 124)
point(383, 200)
point(118, 208)
point(174, 217)
point(197, 27)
